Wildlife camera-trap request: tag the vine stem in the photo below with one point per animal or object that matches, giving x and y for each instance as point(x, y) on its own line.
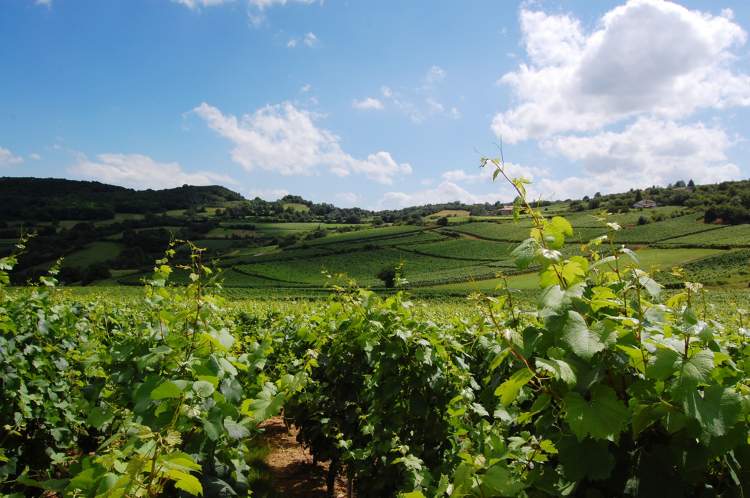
point(507, 341)
point(535, 217)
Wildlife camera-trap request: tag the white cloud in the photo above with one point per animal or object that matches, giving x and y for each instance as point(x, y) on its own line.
point(484, 175)
point(34, 156)
point(286, 140)
point(368, 103)
point(259, 4)
point(272, 194)
point(445, 191)
point(652, 152)
point(310, 39)
point(306, 88)
point(347, 199)
point(647, 57)
point(196, 4)
point(420, 102)
point(141, 172)
point(434, 75)
point(7, 158)
point(46, 3)
point(434, 106)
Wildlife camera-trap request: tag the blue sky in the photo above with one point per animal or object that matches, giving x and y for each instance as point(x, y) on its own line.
point(377, 104)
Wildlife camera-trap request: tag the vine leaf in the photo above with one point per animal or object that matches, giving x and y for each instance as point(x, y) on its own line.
point(559, 368)
point(166, 390)
point(697, 369)
point(717, 410)
point(587, 458)
point(500, 480)
point(186, 482)
point(267, 404)
point(663, 365)
point(508, 390)
point(582, 341)
point(604, 417)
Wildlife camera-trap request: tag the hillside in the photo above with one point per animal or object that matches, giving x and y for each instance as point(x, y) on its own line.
point(111, 235)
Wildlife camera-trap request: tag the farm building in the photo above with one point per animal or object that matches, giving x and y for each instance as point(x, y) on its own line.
point(506, 210)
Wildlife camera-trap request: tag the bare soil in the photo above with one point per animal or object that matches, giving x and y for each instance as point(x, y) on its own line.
point(293, 473)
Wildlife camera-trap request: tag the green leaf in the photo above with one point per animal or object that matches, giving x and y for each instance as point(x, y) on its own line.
point(559, 368)
point(508, 390)
point(651, 286)
point(604, 417)
point(99, 416)
point(500, 480)
point(718, 410)
point(267, 404)
point(585, 459)
point(574, 270)
point(166, 390)
point(180, 461)
point(561, 225)
point(232, 390)
point(203, 388)
point(646, 415)
point(697, 369)
point(235, 430)
point(663, 365)
point(525, 253)
point(577, 336)
point(223, 338)
point(186, 482)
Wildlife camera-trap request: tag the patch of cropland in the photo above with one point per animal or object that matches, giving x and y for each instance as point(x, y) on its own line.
point(721, 269)
point(287, 244)
point(722, 236)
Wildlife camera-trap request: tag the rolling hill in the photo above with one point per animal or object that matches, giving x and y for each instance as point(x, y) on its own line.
point(110, 235)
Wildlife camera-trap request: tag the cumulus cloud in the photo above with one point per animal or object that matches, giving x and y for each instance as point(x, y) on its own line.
point(368, 103)
point(658, 151)
point(484, 175)
point(445, 191)
point(7, 158)
point(647, 57)
point(285, 139)
point(141, 172)
point(34, 156)
point(46, 3)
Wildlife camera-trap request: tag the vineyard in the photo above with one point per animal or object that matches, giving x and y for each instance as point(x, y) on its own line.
point(600, 384)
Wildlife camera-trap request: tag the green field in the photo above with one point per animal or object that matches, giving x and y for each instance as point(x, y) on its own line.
point(730, 236)
point(96, 252)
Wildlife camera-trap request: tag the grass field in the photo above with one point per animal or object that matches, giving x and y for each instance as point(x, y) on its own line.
point(96, 252)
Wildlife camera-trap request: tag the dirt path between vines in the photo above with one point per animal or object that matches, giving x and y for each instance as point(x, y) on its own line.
point(291, 466)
